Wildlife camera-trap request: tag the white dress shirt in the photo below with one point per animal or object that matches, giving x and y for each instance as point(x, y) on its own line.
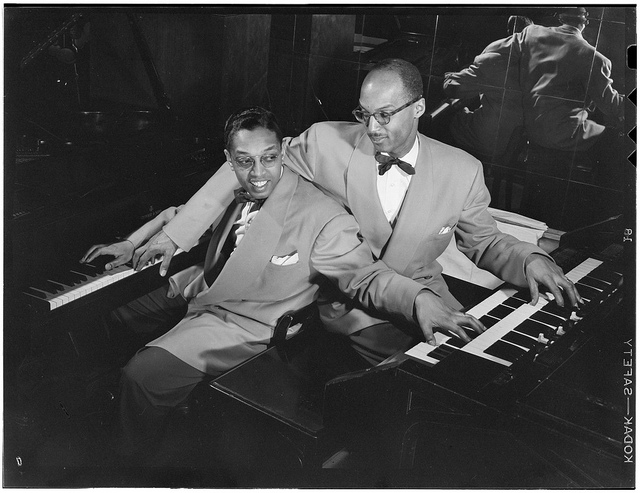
point(243, 223)
point(393, 185)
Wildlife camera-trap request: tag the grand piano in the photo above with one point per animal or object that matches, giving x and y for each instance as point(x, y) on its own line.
point(102, 135)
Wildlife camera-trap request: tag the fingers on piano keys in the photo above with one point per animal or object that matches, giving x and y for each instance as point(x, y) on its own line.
point(515, 328)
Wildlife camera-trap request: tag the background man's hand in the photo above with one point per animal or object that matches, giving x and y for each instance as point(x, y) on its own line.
point(160, 244)
point(541, 270)
point(433, 313)
point(121, 251)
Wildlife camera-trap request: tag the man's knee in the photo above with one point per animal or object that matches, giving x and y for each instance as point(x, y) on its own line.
point(143, 368)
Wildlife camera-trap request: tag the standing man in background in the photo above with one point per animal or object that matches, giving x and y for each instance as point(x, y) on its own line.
point(563, 79)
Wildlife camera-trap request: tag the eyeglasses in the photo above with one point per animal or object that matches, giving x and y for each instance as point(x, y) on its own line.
point(382, 117)
point(247, 162)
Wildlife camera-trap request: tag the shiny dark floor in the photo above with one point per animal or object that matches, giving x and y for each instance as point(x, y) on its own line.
point(59, 416)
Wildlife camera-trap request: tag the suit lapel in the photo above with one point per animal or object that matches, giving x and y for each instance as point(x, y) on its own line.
point(257, 247)
point(418, 203)
point(362, 196)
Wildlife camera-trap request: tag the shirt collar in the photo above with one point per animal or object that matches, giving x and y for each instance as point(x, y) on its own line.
point(410, 157)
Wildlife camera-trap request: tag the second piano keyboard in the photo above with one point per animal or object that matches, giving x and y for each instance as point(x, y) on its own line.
point(515, 327)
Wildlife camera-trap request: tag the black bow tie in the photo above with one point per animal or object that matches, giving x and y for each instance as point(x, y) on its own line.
point(242, 196)
point(387, 161)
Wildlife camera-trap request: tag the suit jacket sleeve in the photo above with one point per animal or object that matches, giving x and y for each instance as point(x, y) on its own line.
point(479, 238)
point(202, 209)
point(601, 90)
point(300, 153)
point(339, 254)
point(472, 81)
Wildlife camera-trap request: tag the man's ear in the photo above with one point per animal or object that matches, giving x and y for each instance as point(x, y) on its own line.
point(420, 107)
point(229, 160)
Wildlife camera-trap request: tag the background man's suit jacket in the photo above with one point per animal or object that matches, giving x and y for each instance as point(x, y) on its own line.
point(560, 76)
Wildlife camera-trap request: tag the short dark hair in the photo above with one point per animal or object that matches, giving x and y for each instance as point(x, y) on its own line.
point(250, 119)
point(408, 73)
point(574, 16)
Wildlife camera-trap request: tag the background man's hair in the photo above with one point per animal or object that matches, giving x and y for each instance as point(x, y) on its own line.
point(517, 23)
point(250, 119)
point(408, 73)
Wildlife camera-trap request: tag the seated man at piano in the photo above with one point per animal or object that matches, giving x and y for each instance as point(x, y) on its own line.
point(290, 239)
point(409, 194)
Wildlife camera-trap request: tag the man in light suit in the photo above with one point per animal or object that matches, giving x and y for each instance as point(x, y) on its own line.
point(407, 217)
point(283, 253)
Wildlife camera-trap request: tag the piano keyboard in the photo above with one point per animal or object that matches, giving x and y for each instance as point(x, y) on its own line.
point(515, 327)
point(81, 281)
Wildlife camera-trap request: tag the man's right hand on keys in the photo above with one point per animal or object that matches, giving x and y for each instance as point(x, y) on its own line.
point(433, 313)
point(122, 252)
point(160, 244)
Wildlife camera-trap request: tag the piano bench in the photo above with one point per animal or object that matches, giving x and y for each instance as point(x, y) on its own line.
point(281, 397)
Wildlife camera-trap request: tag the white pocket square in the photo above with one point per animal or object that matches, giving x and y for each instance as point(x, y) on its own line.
point(444, 230)
point(290, 259)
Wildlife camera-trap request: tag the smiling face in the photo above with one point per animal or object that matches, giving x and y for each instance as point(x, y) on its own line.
point(384, 91)
point(257, 179)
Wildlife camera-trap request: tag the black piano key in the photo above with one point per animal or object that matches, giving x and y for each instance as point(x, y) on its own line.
point(587, 291)
point(64, 279)
point(523, 294)
point(48, 286)
point(500, 312)
point(519, 339)
point(78, 278)
point(456, 342)
point(605, 274)
point(470, 332)
point(555, 309)
point(35, 292)
point(74, 277)
point(595, 283)
point(546, 318)
point(86, 269)
point(440, 352)
point(505, 351)
point(513, 302)
point(488, 321)
point(532, 328)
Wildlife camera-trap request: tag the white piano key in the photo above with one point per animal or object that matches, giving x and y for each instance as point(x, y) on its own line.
point(421, 350)
point(488, 304)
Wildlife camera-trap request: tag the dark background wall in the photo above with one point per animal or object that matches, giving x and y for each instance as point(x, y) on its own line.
point(305, 64)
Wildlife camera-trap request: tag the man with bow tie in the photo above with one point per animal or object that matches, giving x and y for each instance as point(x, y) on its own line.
point(287, 239)
point(406, 213)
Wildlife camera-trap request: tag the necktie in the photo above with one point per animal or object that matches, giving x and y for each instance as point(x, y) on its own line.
point(387, 161)
point(242, 197)
point(221, 244)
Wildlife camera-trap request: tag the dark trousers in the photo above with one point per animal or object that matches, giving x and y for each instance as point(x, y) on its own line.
point(153, 383)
